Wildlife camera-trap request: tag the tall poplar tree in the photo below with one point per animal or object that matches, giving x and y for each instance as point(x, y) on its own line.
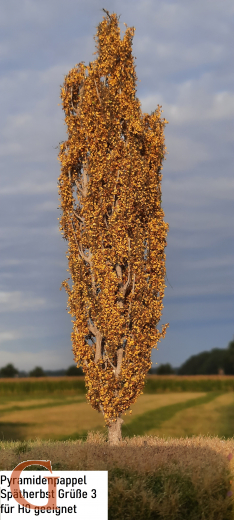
point(112, 219)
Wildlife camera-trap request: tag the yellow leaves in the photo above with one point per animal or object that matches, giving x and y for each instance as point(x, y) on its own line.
point(121, 149)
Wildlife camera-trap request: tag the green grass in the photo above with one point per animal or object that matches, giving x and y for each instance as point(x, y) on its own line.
point(46, 386)
point(135, 498)
point(188, 384)
point(226, 427)
point(65, 415)
point(154, 384)
point(155, 477)
point(154, 419)
point(29, 416)
point(51, 403)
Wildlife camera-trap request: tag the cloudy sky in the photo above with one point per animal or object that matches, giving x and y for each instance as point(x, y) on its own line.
point(184, 61)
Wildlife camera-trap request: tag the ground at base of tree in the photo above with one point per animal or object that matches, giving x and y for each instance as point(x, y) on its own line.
point(149, 477)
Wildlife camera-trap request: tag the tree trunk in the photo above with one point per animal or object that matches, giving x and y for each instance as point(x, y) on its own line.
point(114, 432)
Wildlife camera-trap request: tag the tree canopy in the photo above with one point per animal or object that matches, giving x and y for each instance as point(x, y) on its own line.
point(9, 371)
point(112, 219)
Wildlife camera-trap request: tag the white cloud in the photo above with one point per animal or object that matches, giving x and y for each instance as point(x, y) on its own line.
point(199, 310)
point(9, 336)
point(210, 263)
point(203, 239)
point(196, 191)
point(184, 153)
point(27, 11)
point(179, 56)
point(29, 187)
point(4, 49)
point(37, 128)
point(184, 56)
point(19, 301)
point(195, 101)
point(10, 148)
point(19, 121)
point(47, 359)
point(200, 289)
point(14, 232)
point(200, 106)
point(10, 261)
point(47, 205)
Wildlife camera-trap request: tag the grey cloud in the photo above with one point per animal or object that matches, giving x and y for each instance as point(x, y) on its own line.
point(18, 301)
point(211, 262)
point(202, 289)
point(8, 336)
point(184, 54)
point(26, 360)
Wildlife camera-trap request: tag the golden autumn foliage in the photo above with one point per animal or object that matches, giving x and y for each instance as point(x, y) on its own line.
point(110, 194)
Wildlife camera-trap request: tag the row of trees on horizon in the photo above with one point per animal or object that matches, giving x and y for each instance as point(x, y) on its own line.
point(216, 361)
point(10, 371)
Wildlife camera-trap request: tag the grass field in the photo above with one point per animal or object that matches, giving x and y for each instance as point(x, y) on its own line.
point(51, 410)
point(60, 418)
point(149, 478)
point(176, 460)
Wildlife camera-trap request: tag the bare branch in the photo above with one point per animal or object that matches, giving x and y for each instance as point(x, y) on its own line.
point(98, 353)
point(88, 257)
point(129, 268)
point(119, 361)
point(106, 222)
point(109, 360)
point(133, 286)
point(79, 188)
point(133, 290)
point(85, 179)
point(74, 232)
point(92, 328)
point(101, 408)
point(118, 271)
point(107, 12)
point(81, 93)
point(114, 199)
point(116, 369)
point(81, 219)
point(124, 288)
point(73, 108)
point(97, 92)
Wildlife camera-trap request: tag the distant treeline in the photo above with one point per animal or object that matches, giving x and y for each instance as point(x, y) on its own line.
point(216, 361)
point(10, 371)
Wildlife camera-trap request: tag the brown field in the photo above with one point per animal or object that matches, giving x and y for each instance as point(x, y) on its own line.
point(149, 376)
point(62, 412)
point(53, 419)
point(182, 378)
point(46, 378)
point(181, 468)
point(198, 420)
